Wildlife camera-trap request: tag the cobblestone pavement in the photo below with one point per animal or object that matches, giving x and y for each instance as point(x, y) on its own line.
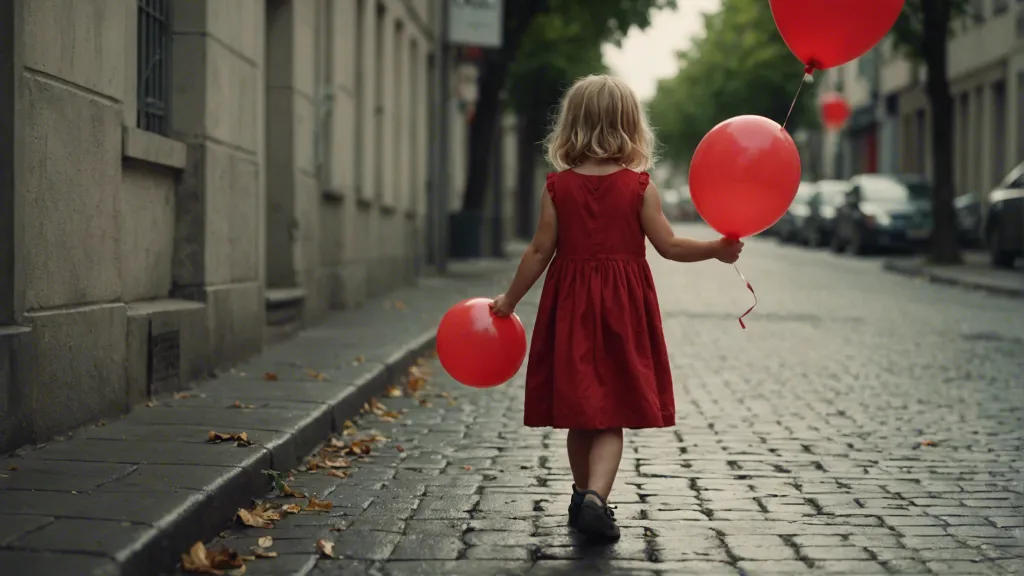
point(865, 424)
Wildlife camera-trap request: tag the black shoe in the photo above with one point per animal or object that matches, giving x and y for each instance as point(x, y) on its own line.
point(574, 505)
point(597, 520)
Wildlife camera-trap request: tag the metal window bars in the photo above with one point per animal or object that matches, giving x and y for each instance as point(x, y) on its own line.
point(154, 50)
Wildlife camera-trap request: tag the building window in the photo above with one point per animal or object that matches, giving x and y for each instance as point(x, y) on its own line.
point(998, 131)
point(154, 70)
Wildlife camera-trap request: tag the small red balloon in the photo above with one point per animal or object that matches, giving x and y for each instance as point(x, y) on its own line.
point(480, 349)
point(744, 175)
point(834, 110)
point(825, 34)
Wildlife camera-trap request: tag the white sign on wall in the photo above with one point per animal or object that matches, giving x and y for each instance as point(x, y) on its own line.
point(476, 23)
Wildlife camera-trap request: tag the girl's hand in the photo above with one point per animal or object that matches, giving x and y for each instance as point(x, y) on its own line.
point(728, 250)
point(501, 306)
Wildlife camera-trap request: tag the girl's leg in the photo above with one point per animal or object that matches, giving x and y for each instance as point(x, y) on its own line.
point(603, 464)
point(578, 444)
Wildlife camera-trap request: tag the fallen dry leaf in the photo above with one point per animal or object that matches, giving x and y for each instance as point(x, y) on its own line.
point(270, 376)
point(359, 447)
point(318, 505)
point(399, 305)
point(287, 491)
point(261, 553)
point(337, 529)
point(101, 424)
point(358, 360)
point(261, 516)
point(199, 560)
point(292, 508)
point(240, 439)
point(250, 519)
point(238, 404)
point(336, 463)
point(265, 542)
point(467, 467)
point(181, 395)
point(928, 443)
point(399, 448)
point(325, 547)
point(316, 375)
point(349, 429)
point(337, 473)
point(426, 403)
point(417, 379)
point(394, 392)
point(151, 403)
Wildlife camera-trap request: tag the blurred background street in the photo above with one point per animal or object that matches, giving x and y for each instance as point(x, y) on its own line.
point(228, 227)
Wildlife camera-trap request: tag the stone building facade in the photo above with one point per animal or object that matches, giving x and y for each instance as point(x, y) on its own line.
point(182, 181)
point(892, 132)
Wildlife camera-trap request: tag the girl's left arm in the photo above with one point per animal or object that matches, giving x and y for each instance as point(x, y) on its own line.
point(536, 258)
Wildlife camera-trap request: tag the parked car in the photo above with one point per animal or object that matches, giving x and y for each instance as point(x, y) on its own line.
point(790, 227)
point(1004, 220)
point(820, 225)
point(968, 220)
point(884, 212)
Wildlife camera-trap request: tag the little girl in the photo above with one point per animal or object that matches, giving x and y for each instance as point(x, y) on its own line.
point(598, 361)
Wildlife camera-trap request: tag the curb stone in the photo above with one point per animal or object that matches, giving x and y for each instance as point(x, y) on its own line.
point(161, 519)
point(939, 277)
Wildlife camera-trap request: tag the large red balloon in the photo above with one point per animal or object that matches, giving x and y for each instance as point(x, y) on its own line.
point(828, 33)
point(744, 175)
point(834, 110)
point(478, 348)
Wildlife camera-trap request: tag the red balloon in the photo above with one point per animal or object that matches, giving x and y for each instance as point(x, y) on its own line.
point(828, 33)
point(834, 110)
point(480, 349)
point(744, 175)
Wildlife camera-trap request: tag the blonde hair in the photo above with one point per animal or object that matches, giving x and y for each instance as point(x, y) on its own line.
point(601, 118)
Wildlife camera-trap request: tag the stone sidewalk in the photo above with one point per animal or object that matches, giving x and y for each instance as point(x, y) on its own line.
point(976, 273)
point(126, 497)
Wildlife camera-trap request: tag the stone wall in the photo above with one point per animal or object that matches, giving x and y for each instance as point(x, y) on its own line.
point(291, 180)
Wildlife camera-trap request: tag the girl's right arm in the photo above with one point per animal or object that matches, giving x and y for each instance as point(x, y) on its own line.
point(679, 249)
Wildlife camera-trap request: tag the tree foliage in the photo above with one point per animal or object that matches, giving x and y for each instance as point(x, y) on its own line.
point(909, 31)
point(740, 65)
point(547, 44)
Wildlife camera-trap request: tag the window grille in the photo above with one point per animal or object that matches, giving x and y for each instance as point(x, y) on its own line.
point(154, 66)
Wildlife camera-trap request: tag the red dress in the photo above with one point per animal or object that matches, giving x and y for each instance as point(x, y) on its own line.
point(598, 357)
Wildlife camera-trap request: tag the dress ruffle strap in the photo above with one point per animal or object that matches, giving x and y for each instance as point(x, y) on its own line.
point(644, 179)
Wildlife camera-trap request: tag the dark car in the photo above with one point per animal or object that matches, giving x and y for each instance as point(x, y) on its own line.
point(1004, 220)
point(884, 212)
point(820, 225)
point(968, 220)
point(790, 227)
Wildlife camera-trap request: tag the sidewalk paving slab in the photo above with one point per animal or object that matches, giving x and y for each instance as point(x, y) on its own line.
point(128, 496)
point(975, 273)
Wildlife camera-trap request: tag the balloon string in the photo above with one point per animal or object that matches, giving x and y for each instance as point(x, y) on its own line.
point(752, 293)
point(807, 79)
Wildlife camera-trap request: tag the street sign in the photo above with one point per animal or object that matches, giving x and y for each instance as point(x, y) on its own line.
point(476, 23)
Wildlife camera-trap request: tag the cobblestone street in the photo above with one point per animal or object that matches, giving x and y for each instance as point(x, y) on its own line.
point(865, 423)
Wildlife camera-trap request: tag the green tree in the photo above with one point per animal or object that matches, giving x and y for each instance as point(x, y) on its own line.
point(606, 20)
point(922, 33)
point(740, 65)
point(556, 51)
